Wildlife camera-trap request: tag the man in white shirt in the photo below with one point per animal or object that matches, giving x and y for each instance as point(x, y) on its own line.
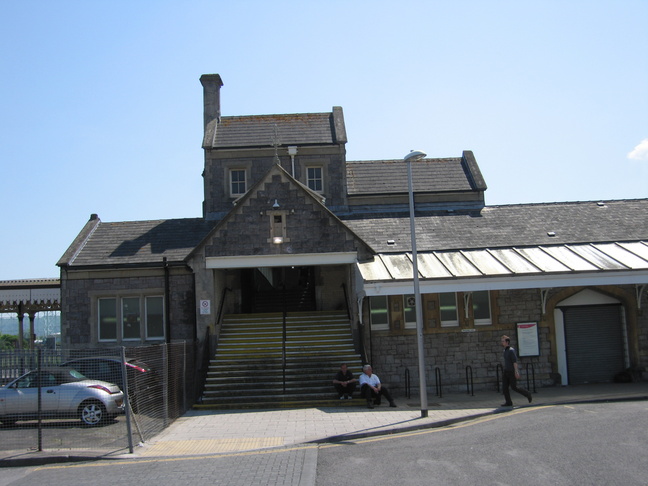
point(372, 389)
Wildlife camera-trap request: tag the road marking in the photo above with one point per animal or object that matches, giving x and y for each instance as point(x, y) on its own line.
point(459, 425)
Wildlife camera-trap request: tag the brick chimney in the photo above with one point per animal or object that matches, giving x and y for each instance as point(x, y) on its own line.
point(211, 97)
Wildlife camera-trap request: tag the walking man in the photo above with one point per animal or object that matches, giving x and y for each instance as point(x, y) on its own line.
point(511, 373)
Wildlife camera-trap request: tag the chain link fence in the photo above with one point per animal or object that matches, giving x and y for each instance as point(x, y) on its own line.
point(107, 399)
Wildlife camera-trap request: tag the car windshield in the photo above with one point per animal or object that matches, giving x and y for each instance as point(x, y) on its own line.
point(77, 375)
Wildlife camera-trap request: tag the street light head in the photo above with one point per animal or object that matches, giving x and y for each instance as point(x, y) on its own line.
point(415, 155)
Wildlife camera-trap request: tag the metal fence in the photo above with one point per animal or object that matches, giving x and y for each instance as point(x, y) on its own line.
point(45, 402)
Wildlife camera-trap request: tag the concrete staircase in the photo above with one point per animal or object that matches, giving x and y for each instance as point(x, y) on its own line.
point(247, 371)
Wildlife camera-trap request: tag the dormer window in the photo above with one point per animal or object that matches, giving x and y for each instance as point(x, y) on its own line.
point(315, 179)
point(237, 182)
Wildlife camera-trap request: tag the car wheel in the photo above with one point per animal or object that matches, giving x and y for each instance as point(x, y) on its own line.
point(92, 412)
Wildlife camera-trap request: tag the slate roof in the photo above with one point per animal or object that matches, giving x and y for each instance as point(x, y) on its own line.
point(136, 242)
point(390, 176)
point(259, 130)
point(510, 226)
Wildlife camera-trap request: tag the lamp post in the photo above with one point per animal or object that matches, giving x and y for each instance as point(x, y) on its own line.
point(417, 155)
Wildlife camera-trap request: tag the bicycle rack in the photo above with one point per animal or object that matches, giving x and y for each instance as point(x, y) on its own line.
point(437, 376)
point(497, 371)
point(470, 389)
point(533, 374)
point(407, 383)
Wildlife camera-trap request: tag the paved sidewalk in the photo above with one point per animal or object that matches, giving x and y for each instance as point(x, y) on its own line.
point(203, 432)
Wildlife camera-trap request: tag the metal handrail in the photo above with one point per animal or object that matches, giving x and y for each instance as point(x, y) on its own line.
point(470, 390)
point(346, 300)
point(437, 376)
point(222, 305)
point(283, 344)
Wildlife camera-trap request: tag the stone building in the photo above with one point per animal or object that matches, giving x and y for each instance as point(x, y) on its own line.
point(290, 225)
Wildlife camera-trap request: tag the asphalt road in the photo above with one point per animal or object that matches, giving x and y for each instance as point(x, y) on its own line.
point(587, 444)
point(591, 444)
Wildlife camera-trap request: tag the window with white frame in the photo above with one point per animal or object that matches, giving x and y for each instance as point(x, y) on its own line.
point(409, 311)
point(448, 309)
point(237, 182)
point(481, 308)
point(315, 179)
point(135, 325)
point(378, 313)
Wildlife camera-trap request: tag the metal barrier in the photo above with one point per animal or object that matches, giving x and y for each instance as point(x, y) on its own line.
point(437, 376)
point(407, 383)
point(533, 374)
point(157, 382)
point(470, 389)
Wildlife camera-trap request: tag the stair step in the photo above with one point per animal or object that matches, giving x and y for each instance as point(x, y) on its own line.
point(248, 368)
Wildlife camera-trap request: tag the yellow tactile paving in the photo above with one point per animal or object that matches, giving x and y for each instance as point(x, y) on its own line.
point(209, 446)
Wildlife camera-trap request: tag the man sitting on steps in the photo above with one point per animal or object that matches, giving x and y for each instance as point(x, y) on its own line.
point(372, 389)
point(344, 383)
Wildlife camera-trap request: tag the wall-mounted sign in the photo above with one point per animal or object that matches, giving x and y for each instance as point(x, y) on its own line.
point(205, 307)
point(527, 339)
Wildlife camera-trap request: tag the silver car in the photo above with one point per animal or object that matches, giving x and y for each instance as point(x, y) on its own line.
point(65, 393)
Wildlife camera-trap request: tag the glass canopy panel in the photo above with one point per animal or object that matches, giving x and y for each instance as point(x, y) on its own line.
point(514, 261)
point(622, 255)
point(543, 260)
point(569, 258)
point(486, 262)
point(638, 248)
point(399, 266)
point(599, 259)
point(458, 264)
point(374, 271)
point(431, 267)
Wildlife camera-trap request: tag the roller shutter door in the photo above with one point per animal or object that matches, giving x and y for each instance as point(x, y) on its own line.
point(594, 340)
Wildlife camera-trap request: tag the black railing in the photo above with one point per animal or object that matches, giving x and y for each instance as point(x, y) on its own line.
point(283, 340)
point(437, 376)
point(346, 300)
point(470, 388)
point(222, 305)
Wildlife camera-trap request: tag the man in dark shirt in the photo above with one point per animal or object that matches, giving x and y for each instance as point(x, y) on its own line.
point(344, 382)
point(511, 373)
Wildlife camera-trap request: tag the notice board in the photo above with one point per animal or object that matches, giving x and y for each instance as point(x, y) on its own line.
point(527, 339)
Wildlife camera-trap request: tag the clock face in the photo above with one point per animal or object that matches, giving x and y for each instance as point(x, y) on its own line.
point(411, 301)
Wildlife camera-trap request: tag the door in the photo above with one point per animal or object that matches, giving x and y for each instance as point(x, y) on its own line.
point(594, 343)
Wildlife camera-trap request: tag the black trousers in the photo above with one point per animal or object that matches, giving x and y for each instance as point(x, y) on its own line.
point(342, 390)
point(369, 394)
point(510, 381)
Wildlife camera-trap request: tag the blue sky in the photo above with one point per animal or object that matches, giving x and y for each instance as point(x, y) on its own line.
point(101, 107)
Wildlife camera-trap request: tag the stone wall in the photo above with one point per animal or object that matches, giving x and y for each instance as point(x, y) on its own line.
point(449, 351)
point(79, 297)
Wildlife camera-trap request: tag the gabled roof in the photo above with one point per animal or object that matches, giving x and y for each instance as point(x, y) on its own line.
point(334, 232)
point(510, 226)
point(455, 174)
point(517, 246)
point(259, 130)
point(135, 242)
